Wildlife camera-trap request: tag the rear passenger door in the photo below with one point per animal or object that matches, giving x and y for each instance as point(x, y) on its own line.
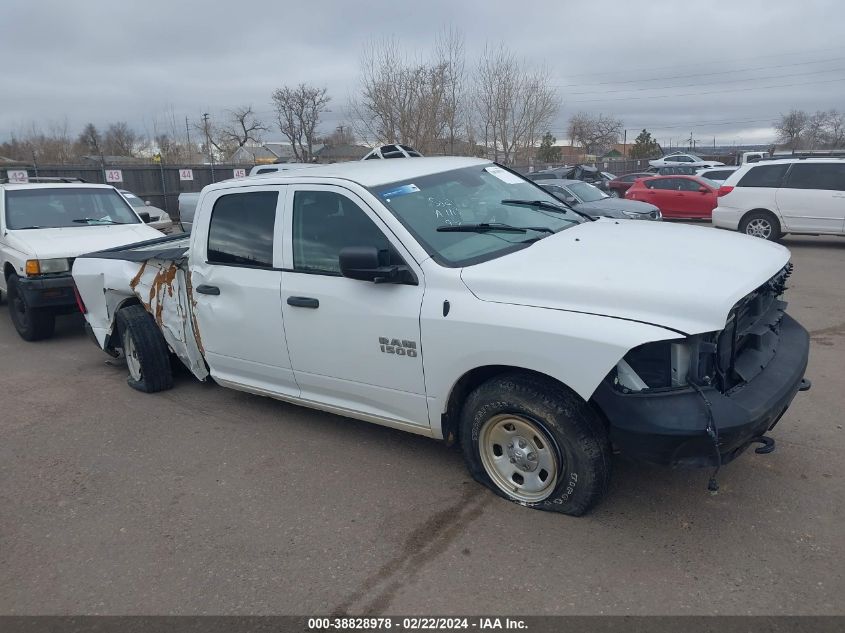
point(812, 198)
point(235, 279)
point(354, 345)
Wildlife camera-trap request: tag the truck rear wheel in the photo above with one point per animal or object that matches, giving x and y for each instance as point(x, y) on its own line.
point(33, 324)
point(534, 442)
point(146, 352)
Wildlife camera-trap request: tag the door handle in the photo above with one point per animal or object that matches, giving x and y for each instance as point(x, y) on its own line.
point(304, 302)
point(205, 289)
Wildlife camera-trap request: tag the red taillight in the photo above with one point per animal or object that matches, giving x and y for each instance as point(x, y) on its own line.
point(724, 190)
point(79, 302)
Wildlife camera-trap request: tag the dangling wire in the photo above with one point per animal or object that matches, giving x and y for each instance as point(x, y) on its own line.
point(713, 432)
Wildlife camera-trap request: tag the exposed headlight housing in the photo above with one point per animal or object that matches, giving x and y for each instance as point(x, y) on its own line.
point(47, 266)
point(669, 364)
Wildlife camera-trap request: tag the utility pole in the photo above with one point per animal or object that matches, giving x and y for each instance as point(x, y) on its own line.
point(188, 133)
point(624, 143)
point(208, 143)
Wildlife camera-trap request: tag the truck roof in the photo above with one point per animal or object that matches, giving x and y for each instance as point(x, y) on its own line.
point(368, 173)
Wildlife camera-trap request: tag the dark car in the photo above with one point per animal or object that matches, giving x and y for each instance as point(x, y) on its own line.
point(591, 200)
point(617, 187)
point(673, 170)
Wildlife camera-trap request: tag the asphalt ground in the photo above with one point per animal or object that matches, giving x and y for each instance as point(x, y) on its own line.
point(203, 500)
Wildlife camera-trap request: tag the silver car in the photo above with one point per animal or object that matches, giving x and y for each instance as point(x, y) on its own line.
point(159, 218)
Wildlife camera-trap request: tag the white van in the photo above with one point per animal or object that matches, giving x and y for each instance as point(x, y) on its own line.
point(774, 197)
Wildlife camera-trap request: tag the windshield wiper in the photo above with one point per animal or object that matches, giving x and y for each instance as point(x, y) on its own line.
point(485, 227)
point(89, 220)
point(548, 206)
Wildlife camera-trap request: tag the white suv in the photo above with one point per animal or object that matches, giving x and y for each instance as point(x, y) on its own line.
point(43, 228)
point(774, 197)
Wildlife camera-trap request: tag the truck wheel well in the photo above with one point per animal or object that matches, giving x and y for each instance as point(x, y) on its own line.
point(113, 339)
point(465, 385)
point(8, 270)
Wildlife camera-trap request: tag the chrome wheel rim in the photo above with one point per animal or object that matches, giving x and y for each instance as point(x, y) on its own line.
point(519, 457)
point(758, 227)
point(131, 354)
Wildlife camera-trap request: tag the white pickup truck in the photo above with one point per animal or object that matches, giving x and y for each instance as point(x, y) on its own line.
point(43, 227)
point(453, 298)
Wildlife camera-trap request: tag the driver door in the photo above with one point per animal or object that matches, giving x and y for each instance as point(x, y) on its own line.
point(353, 344)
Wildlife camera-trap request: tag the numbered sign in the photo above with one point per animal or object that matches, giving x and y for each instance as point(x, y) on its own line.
point(114, 175)
point(17, 175)
point(239, 173)
point(186, 174)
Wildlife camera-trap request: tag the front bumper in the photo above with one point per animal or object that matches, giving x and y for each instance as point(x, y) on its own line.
point(669, 427)
point(54, 291)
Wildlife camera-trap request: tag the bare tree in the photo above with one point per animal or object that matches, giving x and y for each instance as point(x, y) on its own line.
point(343, 135)
point(835, 129)
point(120, 140)
point(514, 103)
point(450, 56)
point(595, 133)
point(240, 127)
point(298, 112)
point(90, 142)
point(400, 100)
point(791, 128)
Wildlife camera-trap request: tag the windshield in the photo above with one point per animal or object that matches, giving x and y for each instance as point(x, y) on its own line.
point(586, 192)
point(134, 200)
point(56, 207)
point(473, 196)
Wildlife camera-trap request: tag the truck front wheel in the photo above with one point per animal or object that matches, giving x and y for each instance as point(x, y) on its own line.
point(534, 442)
point(145, 349)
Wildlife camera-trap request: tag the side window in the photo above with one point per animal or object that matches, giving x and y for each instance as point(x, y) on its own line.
point(763, 176)
point(829, 177)
point(685, 184)
point(241, 229)
point(673, 159)
point(663, 183)
point(325, 222)
point(267, 170)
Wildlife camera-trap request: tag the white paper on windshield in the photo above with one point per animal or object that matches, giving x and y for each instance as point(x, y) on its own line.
point(503, 175)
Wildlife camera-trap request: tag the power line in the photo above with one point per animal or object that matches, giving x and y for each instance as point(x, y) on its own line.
point(685, 76)
point(709, 92)
point(727, 81)
point(711, 61)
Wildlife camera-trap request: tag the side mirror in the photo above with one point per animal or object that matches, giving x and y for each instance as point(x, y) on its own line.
point(147, 202)
point(145, 217)
point(362, 263)
point(570, 199)
point(703, 189)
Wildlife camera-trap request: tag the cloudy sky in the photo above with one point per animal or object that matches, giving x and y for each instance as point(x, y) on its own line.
point(714, 68)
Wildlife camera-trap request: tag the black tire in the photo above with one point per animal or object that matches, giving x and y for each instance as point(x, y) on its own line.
point(579, 439)
point(33, 324)
point(150, 355)
point(755, 224)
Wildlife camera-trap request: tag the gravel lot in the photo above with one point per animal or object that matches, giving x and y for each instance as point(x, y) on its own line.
point(204, 500)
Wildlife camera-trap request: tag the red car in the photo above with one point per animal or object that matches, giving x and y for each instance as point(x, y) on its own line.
point(677, 196)
point(619, 185)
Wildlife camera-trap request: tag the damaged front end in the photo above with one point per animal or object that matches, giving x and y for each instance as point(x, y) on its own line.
point(701, 400)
